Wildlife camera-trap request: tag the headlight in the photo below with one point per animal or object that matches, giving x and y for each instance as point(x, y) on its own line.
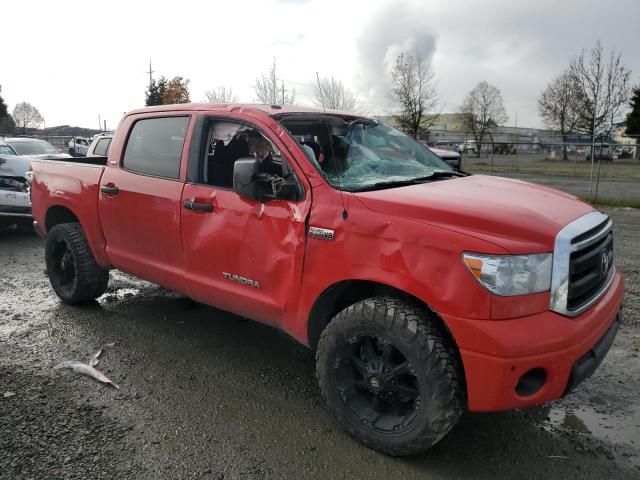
point(508, 275)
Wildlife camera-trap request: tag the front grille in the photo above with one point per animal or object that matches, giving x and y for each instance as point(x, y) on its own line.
point(582, 263)
point(589, 271)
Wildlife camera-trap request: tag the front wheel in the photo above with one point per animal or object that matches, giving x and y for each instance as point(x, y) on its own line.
point(73, 272)
point(391, 375)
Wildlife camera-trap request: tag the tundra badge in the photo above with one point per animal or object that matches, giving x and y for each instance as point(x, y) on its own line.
point(239, 279)
point(321, 233)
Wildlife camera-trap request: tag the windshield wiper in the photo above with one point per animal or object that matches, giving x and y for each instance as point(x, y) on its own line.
point(383, 185)
point(442, 174)
point(413, 181)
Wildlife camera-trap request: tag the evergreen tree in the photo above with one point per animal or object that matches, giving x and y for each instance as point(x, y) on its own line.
point(633, 117)
point(3, 107)
point(6, 122)
point(156, 91)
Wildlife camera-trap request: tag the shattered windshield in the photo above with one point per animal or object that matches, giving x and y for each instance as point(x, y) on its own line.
point(363, 153)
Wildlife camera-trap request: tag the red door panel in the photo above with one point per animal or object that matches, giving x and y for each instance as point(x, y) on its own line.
point(244, 256)
point(141, 224)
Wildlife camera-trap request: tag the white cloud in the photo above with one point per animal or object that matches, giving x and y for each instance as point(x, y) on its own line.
point(75, 60)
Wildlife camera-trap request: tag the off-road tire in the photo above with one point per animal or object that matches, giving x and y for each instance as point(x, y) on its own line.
point(424, 341)
point(89, 280)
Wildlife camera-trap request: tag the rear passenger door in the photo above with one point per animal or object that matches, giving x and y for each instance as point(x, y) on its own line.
point(140, 200)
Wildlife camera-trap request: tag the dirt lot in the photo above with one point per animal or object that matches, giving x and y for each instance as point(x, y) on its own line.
point(204, 394)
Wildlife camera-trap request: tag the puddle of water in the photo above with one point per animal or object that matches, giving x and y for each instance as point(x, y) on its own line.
point(617, 427)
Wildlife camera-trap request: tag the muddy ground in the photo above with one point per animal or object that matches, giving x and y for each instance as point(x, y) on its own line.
point(204, 394)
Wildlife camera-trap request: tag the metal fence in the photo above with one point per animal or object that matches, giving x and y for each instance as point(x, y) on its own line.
point(577, 163)
point(553, 146)
point(59, 137)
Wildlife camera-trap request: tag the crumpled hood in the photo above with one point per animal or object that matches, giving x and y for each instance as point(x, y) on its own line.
point(519, 216)
point(14, 166)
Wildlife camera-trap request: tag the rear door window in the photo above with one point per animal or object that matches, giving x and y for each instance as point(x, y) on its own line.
point(155, 146)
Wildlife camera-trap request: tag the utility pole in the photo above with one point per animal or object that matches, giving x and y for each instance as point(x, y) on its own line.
point(150, 72)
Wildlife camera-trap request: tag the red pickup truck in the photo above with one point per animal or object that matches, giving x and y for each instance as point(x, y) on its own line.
point(425, 292)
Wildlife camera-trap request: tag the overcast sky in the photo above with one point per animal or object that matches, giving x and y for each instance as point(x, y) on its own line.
point(76, 60)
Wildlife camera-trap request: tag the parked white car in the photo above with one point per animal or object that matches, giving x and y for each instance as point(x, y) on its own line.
point(78, 146)
point(100, 145)
point(468, 146)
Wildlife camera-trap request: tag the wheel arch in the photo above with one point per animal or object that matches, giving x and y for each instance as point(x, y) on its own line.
point(347, 292)
point(57, 214)
point(60, 213)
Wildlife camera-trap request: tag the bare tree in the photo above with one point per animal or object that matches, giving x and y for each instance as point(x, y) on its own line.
point(414, 93)
point(603, 90)
point(271, 90)
point(26, 116)
point(559, 106)
point(483, 110)
point(221, 95)
point(332, 94)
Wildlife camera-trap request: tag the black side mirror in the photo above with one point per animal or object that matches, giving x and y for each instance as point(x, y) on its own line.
point(244, 178)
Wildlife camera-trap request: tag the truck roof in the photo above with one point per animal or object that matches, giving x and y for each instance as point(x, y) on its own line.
point(251, 108)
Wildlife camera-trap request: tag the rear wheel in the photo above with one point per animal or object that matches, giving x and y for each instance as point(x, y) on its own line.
point(73, 272)
point(391, 375)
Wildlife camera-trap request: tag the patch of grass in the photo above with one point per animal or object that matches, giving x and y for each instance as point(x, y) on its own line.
point(614, 203)
point(622, 172)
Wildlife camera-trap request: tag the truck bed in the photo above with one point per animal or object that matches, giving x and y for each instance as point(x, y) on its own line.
point(73, 187)
point(93, 160)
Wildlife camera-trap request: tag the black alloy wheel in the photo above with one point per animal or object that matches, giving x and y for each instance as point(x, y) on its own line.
point(377, 383)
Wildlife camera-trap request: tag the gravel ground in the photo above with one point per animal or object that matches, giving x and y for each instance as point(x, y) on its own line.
point(205, 394)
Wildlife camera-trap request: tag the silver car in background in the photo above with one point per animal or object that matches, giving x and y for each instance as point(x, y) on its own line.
point(34, 148)
point(16, 154)
point(15, 204)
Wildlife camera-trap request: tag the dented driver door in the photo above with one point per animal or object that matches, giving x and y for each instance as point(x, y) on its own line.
point(242, 255)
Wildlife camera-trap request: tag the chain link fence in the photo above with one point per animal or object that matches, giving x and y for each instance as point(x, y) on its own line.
point(611, 174)
point(547, 145)
point(59, 137)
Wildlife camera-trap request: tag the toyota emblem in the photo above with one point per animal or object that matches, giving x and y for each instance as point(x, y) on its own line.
point(604, 261)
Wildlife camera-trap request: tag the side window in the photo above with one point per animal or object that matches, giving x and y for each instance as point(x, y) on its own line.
point(228, 141)
point(102, 147)
point(155, 146)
